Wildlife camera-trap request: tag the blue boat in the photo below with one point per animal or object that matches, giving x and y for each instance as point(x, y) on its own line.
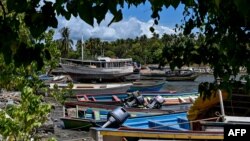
point(82, 118)
point(173, 126)
point(175, 121)
point(146, 86)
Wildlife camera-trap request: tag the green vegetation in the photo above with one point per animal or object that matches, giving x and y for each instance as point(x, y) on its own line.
point(26, 47)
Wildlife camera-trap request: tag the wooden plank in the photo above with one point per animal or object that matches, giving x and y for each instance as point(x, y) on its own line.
point(162, 135)
point(155, 135)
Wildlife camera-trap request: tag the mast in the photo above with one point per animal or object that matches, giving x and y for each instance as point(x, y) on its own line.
point(82, 48)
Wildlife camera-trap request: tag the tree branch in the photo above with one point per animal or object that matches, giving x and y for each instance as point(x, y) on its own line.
point(4, 13)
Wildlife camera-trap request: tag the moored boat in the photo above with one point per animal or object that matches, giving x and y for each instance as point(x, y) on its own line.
point(174, 121)
point(144, 100)
point(103, 68)
point(182, 78)
point(90, 88)
point(146, 85)
point(82, 117)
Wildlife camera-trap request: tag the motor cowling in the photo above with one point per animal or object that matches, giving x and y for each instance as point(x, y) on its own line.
point(116, 118)
point(156, 102)
point(134, 100)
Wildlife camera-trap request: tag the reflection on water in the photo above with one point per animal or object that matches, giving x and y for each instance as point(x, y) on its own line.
point(187, 86)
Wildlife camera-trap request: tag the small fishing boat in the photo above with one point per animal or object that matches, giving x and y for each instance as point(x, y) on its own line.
point(170, 97)
point(175, 75)
point(93, 88)
point(209, 128)
point(174, 121)
point(166, 126)
point(182, 78)
point(82, 117)
point(73, 104)
point(146, 85)
point(129, 134)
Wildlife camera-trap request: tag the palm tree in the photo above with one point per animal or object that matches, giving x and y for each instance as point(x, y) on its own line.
point(65, 43)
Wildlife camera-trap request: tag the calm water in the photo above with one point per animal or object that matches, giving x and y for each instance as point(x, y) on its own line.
point(187, 86)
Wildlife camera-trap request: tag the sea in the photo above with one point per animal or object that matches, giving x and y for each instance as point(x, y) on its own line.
point(187, 86)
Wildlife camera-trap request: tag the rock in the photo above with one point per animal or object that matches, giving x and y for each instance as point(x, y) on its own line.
point(47, 127)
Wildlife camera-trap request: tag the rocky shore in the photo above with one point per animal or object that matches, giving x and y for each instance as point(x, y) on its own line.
point(59, 133)
point(53, 128)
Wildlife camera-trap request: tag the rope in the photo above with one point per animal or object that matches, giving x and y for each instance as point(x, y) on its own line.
point(78, 127)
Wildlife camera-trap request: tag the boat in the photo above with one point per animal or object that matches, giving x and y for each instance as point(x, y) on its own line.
point(174, 126)
point(83, 117)
point(146, 85)
point(182, 78)
point(91, 88)
point(181, 75)
point(174, 121)
point(103, 68)
point(134, 134)
point(74, 104)
point(170, 100)
point(208, 128)
point(175, 75)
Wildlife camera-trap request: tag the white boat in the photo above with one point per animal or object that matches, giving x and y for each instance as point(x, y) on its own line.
point(103, 68)
point(89, 88)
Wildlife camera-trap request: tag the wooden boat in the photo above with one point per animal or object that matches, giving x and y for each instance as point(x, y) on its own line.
point(208, 128)
point(94, 88)
point(176, 75)
point(103, 68)
point(128, 134)
point(83, 117)
point(166, 126)
point(146, 85)
point(170, 97)
point(181, 75)
point(174, 121)
point(182, 78)
point(74, 104)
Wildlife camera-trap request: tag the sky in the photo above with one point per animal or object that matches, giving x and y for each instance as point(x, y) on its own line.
point(136, 22)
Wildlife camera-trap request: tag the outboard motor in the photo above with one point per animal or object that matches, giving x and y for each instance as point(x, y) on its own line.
point(156, 102)
point(116, 118)
point(134, 100)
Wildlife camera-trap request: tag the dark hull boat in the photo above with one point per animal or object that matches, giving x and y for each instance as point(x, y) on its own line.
point(182, 78)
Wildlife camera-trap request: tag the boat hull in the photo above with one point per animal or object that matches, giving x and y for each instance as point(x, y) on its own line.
point(146, 87)
point(80, 124)
point(182, 78)
point(95, 88)
point(79, 73)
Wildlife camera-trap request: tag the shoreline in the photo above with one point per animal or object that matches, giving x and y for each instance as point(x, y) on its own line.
point(61, 134)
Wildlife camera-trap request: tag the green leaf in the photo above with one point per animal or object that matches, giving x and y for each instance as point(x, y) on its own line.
point(217, 3)
point(175, 3)
point(85, 12)
point(17, 5)
point(152, 29)
point(117, 17)
point(243, 7)
point(156, 22)
point(99, 12)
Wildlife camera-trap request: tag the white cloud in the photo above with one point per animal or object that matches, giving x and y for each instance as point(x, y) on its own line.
point(130, 28)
